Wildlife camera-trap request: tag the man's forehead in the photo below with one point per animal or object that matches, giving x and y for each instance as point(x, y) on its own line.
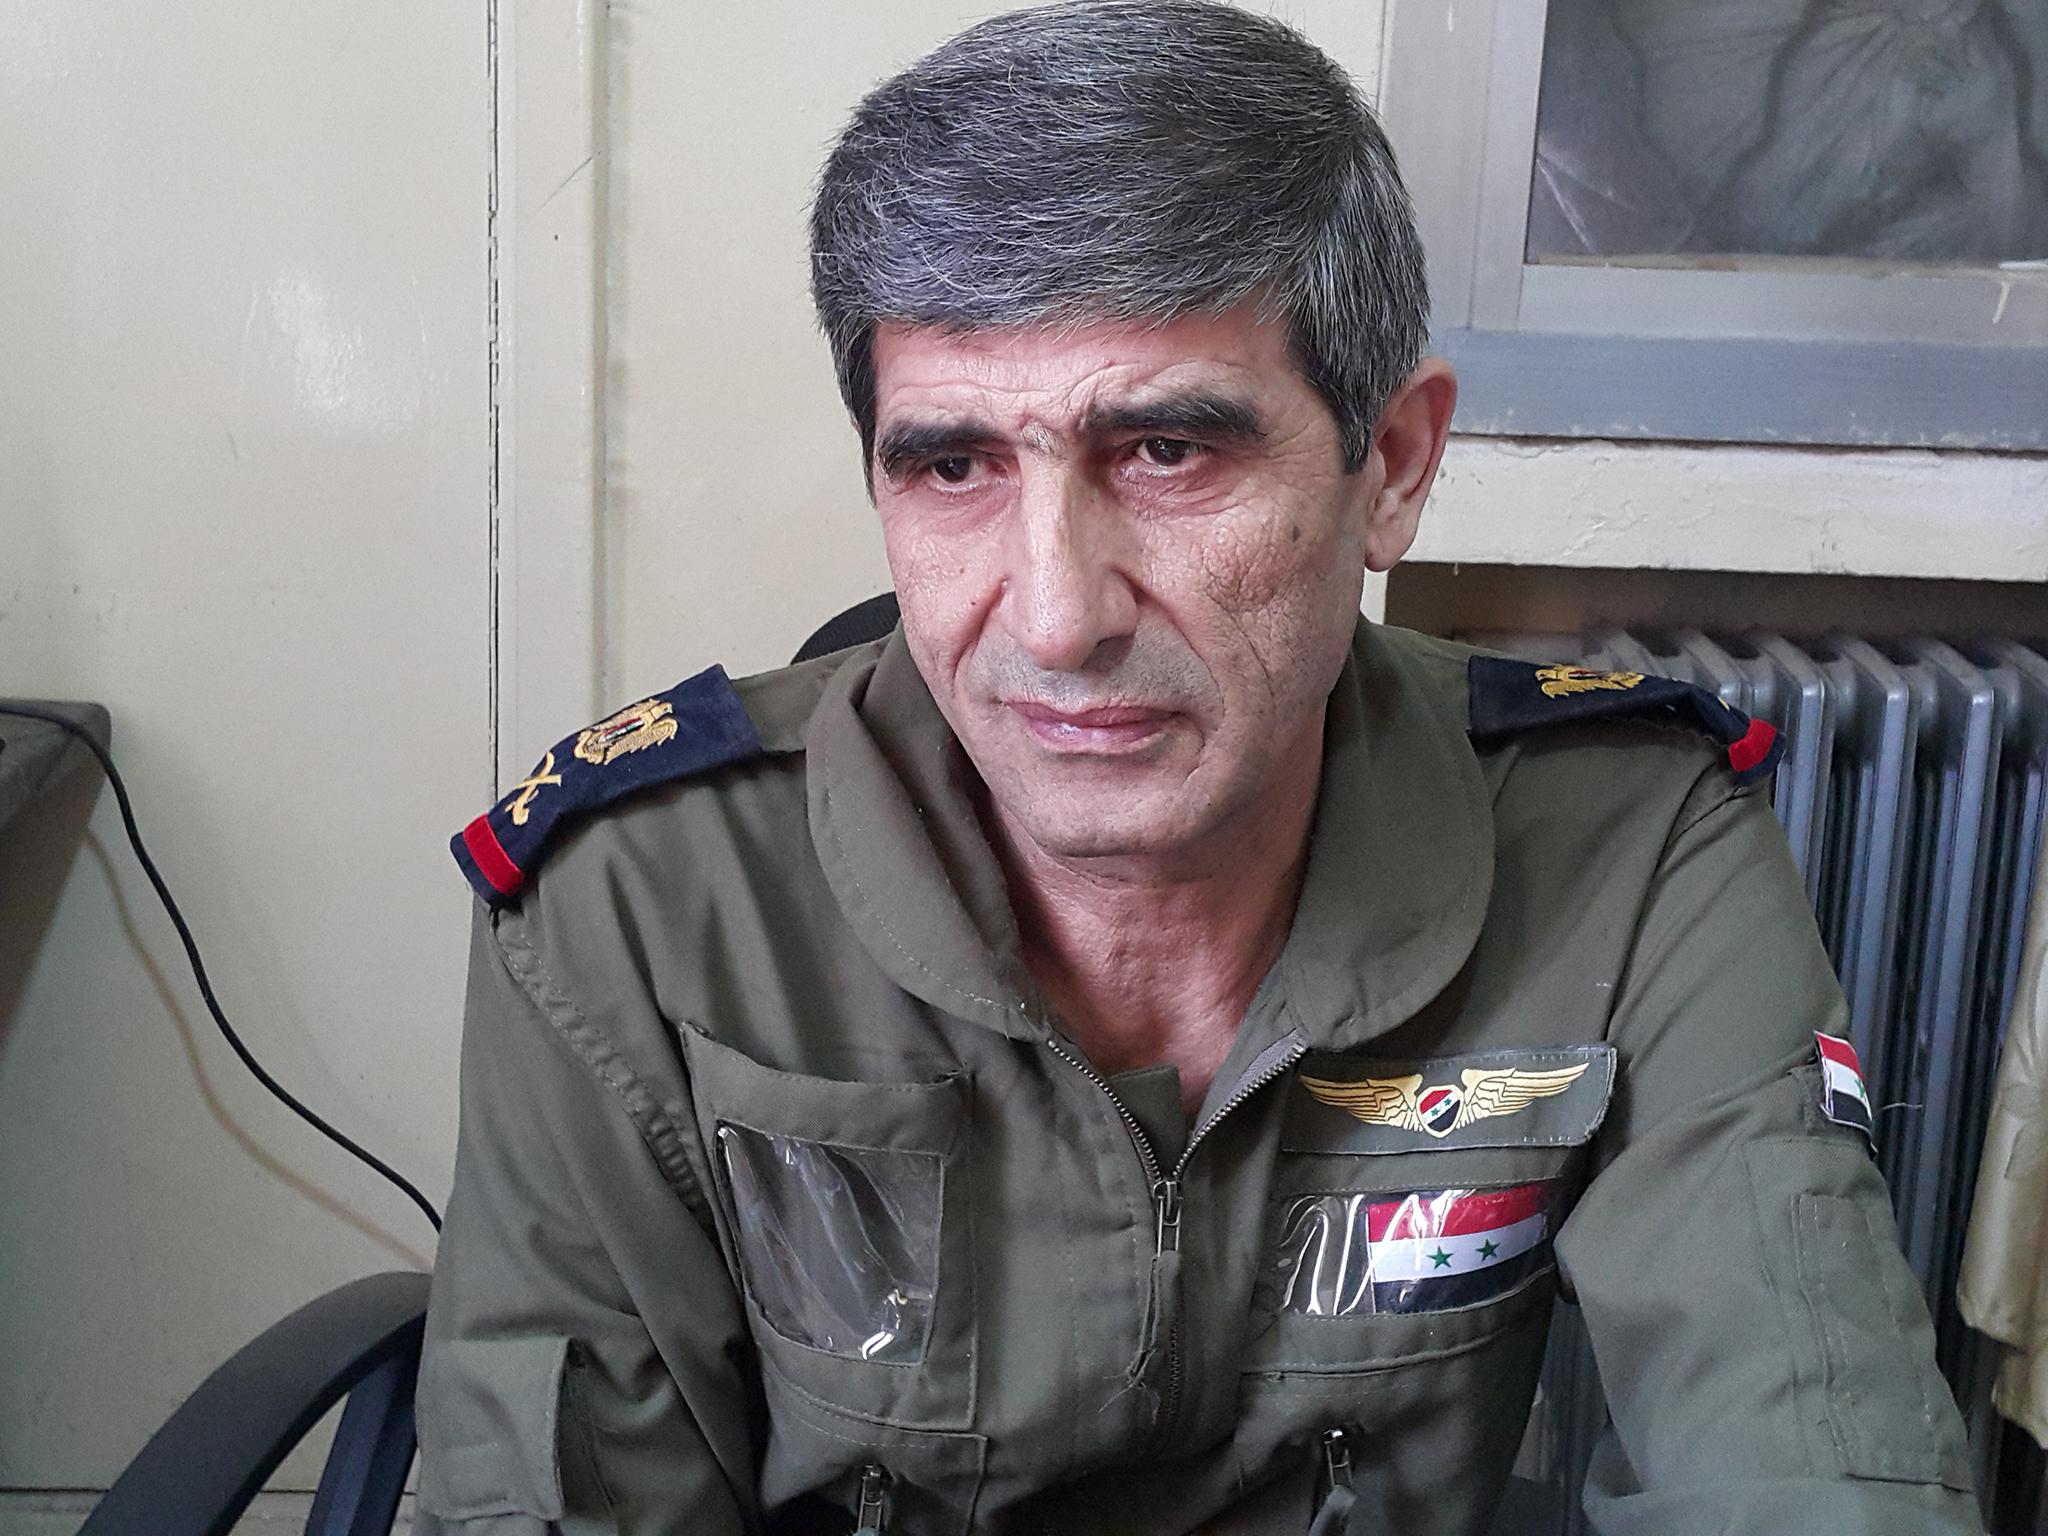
point(1065, 378)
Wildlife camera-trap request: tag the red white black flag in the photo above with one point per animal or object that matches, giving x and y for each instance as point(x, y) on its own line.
point(1426, 1251)
point(1843, 1098)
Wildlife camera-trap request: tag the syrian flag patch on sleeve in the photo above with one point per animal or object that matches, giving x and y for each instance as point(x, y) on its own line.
point(1843, 1098)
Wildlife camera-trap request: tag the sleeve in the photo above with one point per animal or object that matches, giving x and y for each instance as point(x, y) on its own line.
point(579, 1373)
point(1765, 1350)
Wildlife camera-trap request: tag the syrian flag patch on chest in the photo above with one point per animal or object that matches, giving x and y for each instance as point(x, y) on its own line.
point(1428, 1251)
point(1843, 1098)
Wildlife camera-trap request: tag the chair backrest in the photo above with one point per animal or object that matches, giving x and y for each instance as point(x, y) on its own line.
point(864, 621)
point(359, 1344)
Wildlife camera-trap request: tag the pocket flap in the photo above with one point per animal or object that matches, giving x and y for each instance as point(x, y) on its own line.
point(1863, 1347)
point(488, 1416)
point(1358, 1104)
point(883, 1117)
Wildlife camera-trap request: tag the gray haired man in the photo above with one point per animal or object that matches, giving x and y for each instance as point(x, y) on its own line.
point(1137, 1049)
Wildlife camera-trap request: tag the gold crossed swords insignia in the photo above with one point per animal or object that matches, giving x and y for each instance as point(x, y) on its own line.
point(524, 791)
point(1441, 1108)
point(1559, 681)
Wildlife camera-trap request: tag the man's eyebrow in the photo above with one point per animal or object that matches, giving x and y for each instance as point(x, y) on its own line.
point(908, 442)
point(1197, 413)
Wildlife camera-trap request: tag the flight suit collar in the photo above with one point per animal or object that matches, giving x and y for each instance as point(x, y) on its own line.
point(894, 823)
point(1399, 871)
point(1400, 863)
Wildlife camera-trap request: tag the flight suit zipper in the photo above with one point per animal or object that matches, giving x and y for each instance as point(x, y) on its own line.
point(1337, 1498)
point(1165, 1186)
point(874, 1497)
point(1336, 1459)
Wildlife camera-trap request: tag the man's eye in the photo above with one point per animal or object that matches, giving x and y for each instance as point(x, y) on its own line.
point(954, 468)
point(1167, 452)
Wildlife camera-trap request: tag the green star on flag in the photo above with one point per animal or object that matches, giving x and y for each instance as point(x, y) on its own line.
point(1440, 1259)
point(1488, 1249)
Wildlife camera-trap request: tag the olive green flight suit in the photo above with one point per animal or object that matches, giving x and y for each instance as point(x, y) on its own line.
point(782, 1201)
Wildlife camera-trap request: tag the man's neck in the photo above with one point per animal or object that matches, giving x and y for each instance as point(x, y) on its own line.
point(1149, 962)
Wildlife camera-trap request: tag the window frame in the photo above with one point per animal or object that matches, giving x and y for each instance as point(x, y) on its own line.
point(1778, 350)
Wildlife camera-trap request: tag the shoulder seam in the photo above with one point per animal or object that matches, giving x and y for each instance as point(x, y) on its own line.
point(658, 1130)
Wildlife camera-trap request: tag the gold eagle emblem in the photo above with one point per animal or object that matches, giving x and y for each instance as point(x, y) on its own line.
point(1559, 681)
point(1441, 1108)
point(633, 729)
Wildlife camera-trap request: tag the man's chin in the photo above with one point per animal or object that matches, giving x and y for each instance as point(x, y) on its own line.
point(1078, 806)
point(1093, 843)
point(1109, 828)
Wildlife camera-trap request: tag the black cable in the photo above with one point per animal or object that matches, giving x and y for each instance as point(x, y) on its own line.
point(163, 892)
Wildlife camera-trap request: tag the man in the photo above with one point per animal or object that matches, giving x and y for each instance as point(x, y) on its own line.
point(1138, 1050)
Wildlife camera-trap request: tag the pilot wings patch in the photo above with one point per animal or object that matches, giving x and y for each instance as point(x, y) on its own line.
point(1441, 1109)
point(1554, 1096)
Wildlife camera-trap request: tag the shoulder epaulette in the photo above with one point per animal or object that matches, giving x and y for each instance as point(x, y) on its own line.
point(1509, 696)
point(698, 725)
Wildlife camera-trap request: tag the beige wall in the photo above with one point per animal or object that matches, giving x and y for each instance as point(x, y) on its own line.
point(244, 471)
point(1981, 516)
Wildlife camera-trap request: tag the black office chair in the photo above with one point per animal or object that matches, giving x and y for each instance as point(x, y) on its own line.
point(359, 1345)
point(864, 621)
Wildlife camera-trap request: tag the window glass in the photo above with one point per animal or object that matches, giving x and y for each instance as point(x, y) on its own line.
point(1892, 131)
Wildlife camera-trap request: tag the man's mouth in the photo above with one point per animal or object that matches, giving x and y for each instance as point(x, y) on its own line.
point(1109, 728)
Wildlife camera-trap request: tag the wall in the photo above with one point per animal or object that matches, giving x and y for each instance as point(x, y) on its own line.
point(244, 501)
point(1907, 512)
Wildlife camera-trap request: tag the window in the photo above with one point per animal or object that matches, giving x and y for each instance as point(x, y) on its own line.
point(1820, 221)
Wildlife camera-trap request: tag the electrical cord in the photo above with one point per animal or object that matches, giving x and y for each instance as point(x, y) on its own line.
point(256, 1068)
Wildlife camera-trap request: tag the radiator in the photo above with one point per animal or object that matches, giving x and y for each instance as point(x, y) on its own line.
point(1914, 794)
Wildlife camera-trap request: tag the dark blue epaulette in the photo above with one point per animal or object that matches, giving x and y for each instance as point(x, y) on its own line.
point(1509, 696)
point(698, 725)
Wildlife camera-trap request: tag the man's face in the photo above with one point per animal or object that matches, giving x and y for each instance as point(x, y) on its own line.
point(1129, 561)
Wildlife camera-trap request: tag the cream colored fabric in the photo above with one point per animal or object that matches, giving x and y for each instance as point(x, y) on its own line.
point(2004, 1288)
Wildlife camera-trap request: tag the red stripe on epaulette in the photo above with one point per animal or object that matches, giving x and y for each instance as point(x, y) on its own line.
point(482, 843)
point(1754, 746)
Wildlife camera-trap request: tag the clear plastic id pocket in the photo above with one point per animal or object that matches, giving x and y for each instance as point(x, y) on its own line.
point(1348, 1255)
point(840, 1244)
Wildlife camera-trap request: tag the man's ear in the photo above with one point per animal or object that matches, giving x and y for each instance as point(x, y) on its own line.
point(1407, 445)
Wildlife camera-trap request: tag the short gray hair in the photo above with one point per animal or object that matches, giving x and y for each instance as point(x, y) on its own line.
point(1130, 160)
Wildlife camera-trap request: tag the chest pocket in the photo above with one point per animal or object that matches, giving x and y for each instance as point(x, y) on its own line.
point(1411, 1198)
point(846, 1205)
point(1406, 1274)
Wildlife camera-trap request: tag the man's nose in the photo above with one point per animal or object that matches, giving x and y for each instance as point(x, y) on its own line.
point(1068, 593)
